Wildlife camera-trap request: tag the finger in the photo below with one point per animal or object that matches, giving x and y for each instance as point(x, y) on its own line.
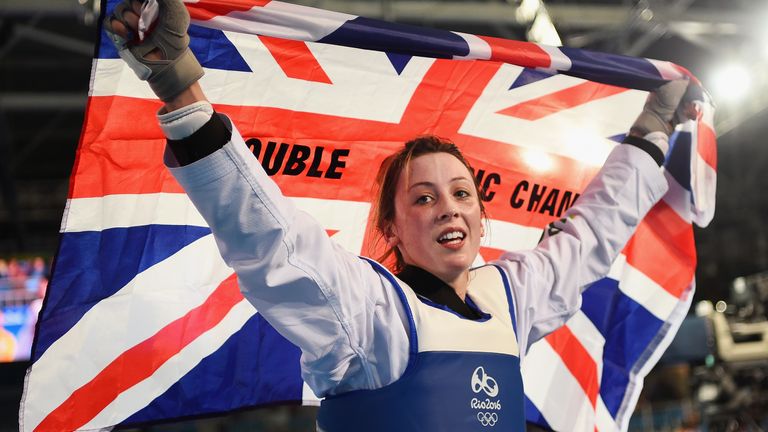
point(132, 19)
point(119, 28)
point(136, 6)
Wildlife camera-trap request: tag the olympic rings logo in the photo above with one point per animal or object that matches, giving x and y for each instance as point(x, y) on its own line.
point(487, 418)
point(484, 382)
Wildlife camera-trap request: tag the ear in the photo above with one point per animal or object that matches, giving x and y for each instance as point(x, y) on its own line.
point(482, 230)
point(391, 237)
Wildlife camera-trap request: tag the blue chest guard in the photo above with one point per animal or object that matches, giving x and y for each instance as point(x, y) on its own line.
point(462, 375)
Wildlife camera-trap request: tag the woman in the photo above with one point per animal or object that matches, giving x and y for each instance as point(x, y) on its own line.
point(438, 346)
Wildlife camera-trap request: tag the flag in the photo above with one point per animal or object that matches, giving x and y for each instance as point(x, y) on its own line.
point(143, 321)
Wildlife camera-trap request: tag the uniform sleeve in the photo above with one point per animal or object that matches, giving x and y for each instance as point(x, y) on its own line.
point(579, 249)
point(343, 315)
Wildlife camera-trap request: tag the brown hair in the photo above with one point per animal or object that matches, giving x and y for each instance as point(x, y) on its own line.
point(389, 175)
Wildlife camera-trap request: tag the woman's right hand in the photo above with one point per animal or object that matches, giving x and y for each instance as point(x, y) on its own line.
point(161, 54)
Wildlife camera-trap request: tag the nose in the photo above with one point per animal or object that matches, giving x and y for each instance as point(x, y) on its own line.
point(449, 212)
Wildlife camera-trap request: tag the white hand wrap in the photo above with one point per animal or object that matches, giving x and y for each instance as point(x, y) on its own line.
point(185, 121)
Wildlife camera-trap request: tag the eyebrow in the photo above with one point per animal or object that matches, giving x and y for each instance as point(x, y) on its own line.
point(430, 184)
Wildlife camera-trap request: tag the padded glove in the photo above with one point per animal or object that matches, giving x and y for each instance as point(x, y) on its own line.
point(178, 67)
point(662, 110)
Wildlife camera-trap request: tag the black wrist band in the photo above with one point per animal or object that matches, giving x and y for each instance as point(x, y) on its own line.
point(212, 136)
point(652, 149)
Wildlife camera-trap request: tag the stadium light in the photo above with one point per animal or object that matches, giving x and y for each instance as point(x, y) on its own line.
point(538, 160)
point(731, 83)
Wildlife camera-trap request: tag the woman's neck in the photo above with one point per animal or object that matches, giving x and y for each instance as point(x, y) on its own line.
point(460, 285)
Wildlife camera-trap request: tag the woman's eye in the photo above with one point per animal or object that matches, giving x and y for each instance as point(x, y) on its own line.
point(462, 194)
point(424, 199)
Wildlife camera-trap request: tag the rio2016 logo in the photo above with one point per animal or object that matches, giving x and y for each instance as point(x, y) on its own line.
point(482, 382)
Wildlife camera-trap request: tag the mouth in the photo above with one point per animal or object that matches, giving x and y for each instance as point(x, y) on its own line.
point(451, 237)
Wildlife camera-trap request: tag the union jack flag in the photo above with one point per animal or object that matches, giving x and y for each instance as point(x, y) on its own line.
point(143, 321)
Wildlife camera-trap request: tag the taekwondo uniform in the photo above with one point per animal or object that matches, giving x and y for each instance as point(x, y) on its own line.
point(385, 357)
point(462, 375)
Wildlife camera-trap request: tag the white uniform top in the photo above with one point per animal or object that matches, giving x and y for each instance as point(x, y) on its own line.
point(346, 318)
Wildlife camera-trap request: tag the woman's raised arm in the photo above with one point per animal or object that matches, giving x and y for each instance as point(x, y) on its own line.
point(343, 315)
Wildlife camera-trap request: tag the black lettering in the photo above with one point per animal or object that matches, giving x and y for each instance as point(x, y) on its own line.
point(536, 196)
point(272, 164)
point(296, 160)
point(516, 202)
point(478, 175)
point(314, 170)
point(254, 144)
point(486, 194)
point(336, 163)
point(551, 202)
point(566, 203)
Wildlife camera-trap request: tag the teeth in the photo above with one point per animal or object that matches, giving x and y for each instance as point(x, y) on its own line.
point(451, 236)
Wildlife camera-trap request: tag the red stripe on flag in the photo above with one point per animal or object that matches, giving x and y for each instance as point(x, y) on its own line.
point(663, 249)
point(519, 53)
point(577, 359)
point(208, 9)
point(445, 96)
point(571, 97)
point(490, 254)
point(145, 358)
point(707, 145)
point(115, 156)
point(295, 59)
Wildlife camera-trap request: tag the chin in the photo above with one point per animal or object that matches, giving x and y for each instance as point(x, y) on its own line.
point(458, 266)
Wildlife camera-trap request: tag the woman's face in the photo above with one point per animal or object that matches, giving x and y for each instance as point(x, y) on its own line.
point(438, 221)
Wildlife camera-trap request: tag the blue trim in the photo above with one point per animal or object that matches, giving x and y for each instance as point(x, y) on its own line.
point(510, 300)
point(472, 305)
point(413, 338)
